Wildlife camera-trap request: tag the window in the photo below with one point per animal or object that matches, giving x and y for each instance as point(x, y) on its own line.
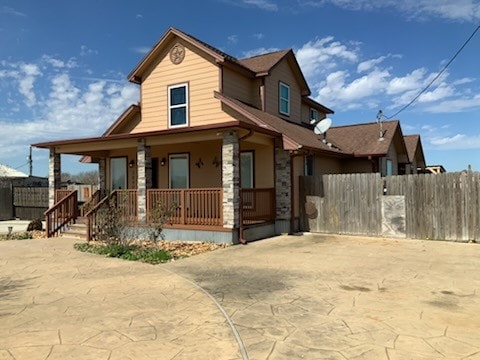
point(313, 116)
point(284, 99)
point(118, 173)
point(389, 167)
point(178, 105)
point(246, 163)
point(178, 171)
point(309, 164)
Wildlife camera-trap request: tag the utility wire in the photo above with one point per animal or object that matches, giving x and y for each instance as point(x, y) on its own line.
point(437, 76)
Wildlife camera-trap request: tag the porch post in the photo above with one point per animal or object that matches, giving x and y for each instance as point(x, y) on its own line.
point(231, 179)
point(102, 175)
point(282, 188)
point(144, 178)
point(54, 172)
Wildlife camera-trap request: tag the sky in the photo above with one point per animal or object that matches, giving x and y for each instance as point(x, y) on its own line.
point(64, 64)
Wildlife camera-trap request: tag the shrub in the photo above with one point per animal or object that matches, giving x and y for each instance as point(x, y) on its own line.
point(35, 225)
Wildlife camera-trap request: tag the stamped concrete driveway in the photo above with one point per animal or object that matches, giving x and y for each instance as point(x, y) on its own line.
point(58, 303)
point(327, 297)
point(308, 297)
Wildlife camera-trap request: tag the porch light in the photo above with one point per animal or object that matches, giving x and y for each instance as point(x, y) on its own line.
point(163, 162)
point(131, 163)
point(199, 163)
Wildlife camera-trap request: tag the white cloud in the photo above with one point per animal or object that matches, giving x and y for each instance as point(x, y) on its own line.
point(141, 49)
point(258, 36)
point(460, 10)
point(11, 11)
point(319, 55)
point(456, 142)
point(232, 39)
point(369, 64)
point(85, 51)
point(258, 51)
point(262, 4)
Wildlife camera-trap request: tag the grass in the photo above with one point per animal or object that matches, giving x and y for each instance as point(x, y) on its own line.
point(149, 255)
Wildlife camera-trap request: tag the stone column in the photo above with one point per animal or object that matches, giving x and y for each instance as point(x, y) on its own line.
point(144, 178)
point(102, 175)
point(54, 172)
point(282, 188)
point(231, 179)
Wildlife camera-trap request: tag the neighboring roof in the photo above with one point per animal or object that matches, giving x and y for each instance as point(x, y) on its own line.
point(8, 172)
point(364, 139)
point(295, 136)
point(412, 143)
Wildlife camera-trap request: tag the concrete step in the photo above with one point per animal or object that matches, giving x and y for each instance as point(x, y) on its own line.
point(77, 230)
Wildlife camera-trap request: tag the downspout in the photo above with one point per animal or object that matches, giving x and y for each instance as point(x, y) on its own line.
point(240, 202)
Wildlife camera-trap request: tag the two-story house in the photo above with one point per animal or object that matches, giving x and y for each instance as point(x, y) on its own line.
point(222, 139)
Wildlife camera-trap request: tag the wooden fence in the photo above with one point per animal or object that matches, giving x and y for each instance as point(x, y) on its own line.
point(425, 206)
point(30, 202)
point(6, 204)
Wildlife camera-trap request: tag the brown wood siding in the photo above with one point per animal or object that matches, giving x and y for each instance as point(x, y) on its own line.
point(202, 76)
point(327, 165)
point(282, 72)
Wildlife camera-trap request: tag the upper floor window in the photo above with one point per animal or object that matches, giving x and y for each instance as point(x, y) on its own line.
point(313, 115)
point(284, 99)
point(178, 105)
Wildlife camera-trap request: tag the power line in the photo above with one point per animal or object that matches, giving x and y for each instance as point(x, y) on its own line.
point(438, 75)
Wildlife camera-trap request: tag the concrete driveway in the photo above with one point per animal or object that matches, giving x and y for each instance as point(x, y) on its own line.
point(308, 297)
point(327, 297)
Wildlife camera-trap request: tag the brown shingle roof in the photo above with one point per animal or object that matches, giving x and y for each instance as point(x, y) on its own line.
point(264, 62)
point(411, 143)
point(295, 136)
point(364, 139)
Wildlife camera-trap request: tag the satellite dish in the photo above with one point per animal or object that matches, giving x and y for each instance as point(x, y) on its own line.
point(322, 126)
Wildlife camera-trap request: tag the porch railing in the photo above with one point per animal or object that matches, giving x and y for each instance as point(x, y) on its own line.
point(92, 202)
point(188, 206)
point(119, 207)
point(258, 205)
point(63, 213)
point(61, 193)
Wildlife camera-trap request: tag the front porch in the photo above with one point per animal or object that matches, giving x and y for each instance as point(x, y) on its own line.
point(224, 187)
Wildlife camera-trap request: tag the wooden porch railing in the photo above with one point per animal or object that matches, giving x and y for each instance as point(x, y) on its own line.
point(119, 207)
point(61, 193)
point(90, 203)
point(201, 207)
point(63, 213)
point(258, 205)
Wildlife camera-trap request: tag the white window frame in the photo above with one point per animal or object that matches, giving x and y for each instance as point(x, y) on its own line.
point(170, 107)
point(124, 168)
point(280, 99)
point(178, 155)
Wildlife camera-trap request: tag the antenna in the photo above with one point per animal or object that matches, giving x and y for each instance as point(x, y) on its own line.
point(322, 127)
point(379, 122)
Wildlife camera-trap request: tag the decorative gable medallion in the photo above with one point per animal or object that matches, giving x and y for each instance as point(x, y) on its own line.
point(177, 54)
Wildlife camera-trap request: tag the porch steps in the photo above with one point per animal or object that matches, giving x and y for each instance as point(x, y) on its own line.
point(77, 230)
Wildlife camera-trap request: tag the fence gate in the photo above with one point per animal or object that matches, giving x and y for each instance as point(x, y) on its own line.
point(30, 202)
point(6, 204)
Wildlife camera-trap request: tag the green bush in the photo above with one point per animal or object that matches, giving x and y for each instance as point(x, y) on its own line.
point(126, 252)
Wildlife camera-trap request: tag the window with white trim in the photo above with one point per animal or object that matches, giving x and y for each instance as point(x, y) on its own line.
point(283, 98)
point(178, 105)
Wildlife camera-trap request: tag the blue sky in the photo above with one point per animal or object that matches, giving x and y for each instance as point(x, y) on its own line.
point(63, 64)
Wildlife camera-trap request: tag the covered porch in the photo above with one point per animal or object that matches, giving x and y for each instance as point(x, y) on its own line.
point(217, 183)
